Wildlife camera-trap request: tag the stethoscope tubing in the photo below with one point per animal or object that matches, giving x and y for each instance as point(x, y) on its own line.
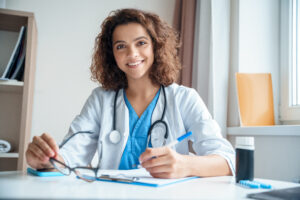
point(115, 102)
point(153, 125)
point(162, 117)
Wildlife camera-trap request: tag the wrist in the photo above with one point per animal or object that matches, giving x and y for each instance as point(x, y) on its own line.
point(188, 166)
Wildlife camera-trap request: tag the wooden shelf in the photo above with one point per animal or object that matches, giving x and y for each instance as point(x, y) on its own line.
point(16, 98)
point(9, 155)
point(11, 86)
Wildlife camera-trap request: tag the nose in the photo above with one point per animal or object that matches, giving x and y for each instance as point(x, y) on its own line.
point(132, 52)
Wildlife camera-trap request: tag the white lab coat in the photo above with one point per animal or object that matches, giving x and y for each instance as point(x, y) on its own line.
point(185, 112)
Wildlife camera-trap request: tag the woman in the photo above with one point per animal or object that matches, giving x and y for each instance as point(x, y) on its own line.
point(136, 62)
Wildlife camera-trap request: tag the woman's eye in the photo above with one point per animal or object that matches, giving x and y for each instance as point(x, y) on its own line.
point(120, 46)
point(141, 43)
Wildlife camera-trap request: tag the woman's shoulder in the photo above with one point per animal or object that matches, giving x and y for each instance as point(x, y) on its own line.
point(187, 99)
point(101, 93)
point(180, 90)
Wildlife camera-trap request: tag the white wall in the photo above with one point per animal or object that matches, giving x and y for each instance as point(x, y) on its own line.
point(66, 33)
point(259, 45)
point(255, 46)
point(2, 3)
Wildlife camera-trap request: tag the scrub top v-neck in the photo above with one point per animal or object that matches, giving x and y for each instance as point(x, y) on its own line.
point(138, 128)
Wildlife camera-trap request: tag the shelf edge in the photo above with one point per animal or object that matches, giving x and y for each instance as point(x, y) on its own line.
point(277, 130)
point(9, 155)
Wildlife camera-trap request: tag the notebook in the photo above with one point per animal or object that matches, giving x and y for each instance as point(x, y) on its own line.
point(137, 177)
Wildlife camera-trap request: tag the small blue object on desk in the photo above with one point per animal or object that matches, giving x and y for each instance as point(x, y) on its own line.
point(43, 173)
point(254, 184)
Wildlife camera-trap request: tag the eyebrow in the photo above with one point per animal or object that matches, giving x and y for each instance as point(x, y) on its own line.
point(138, 38)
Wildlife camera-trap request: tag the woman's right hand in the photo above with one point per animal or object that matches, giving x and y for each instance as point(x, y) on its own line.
point(40, 150)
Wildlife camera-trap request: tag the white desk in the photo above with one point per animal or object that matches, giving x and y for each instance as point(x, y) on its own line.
point(15, 185)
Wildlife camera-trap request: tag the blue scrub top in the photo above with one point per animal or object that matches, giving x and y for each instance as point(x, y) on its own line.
point(137, 140)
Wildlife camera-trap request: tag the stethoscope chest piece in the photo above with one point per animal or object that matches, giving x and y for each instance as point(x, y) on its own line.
point(115, 137)
point(159, 133)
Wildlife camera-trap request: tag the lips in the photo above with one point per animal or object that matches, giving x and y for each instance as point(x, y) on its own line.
point(134, 64)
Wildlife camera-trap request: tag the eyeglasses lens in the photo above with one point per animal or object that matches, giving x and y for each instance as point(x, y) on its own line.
point(87, 174)
point(61, 168)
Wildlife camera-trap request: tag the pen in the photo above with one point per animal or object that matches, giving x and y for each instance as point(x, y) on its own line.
point(173, 143)
point(179, 139)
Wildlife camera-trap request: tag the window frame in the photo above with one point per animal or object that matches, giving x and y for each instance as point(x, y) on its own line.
point(288, 114)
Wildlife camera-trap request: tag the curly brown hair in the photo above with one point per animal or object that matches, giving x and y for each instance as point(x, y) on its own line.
point(166, 65)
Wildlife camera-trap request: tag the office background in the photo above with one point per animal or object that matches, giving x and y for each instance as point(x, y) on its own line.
point(66, 33)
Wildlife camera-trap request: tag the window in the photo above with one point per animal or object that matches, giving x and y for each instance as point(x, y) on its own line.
point(290, 62)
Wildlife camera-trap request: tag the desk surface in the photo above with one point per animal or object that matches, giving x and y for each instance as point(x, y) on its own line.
point(18, 185)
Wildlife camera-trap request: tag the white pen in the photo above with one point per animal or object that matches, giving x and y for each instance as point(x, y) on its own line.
point(173, 143)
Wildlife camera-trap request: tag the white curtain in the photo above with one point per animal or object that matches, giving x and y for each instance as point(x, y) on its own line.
point(211, 57)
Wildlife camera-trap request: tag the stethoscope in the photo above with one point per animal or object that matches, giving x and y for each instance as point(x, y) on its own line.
point(157, 127)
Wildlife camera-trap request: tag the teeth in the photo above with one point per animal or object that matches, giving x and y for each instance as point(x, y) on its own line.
point(136, 63)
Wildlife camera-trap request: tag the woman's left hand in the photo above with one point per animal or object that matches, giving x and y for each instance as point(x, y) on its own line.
point(164, 162)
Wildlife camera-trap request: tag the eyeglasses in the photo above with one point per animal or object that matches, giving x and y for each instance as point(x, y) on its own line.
point(88, 174)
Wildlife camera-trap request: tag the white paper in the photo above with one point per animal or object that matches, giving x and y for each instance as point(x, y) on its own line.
point(143, 175)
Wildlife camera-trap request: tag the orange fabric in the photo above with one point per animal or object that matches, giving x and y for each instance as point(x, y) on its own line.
point(255, 98)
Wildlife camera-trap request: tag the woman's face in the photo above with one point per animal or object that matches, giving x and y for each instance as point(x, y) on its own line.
point(133, 50)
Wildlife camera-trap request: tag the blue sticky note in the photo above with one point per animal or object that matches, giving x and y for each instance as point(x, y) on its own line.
point(43, 173)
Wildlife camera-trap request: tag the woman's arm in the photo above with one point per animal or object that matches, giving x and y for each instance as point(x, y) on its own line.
point(215, 155)
point(164, 162)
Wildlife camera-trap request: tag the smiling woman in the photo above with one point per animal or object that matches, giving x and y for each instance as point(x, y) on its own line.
point(139, 110)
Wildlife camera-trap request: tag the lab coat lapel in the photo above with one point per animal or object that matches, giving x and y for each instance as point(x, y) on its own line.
point(157, 113)
point(122, 124)
point(112, 153)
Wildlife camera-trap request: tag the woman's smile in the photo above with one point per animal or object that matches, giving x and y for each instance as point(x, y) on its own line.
point(135, 64)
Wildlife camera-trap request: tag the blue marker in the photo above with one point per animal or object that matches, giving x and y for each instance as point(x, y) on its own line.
point(173, 143)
